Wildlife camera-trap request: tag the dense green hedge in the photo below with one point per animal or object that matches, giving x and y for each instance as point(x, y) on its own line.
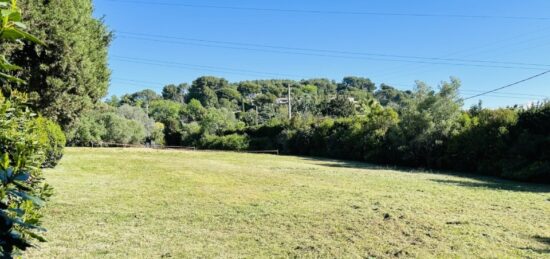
point(228, 142)
point(52, 139)
point(511, 142)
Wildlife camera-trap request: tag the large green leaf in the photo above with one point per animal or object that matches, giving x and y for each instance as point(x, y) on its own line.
point(11, 78)
point(15, 34)
point(35, 200)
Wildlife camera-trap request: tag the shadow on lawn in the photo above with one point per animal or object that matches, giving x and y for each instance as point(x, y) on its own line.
point(497, 184)
point(471, 181)
point(544, 241)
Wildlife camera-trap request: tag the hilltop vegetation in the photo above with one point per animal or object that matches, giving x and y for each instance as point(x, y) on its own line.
point(353, 119)
point(142, 203)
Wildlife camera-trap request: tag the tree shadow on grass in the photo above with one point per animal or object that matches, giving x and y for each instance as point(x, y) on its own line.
point(497, 184)
point(470, 181)
point(545, 241)
point(329, 162)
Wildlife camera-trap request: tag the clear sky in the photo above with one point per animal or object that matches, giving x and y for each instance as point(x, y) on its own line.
point(487, 44)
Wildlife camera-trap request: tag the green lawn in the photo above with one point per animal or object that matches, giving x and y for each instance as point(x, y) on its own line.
point(138, 203)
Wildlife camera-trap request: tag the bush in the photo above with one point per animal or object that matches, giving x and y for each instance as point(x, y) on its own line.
point(87, 131)
point(528, 156)
point(53, 140)
point(228, 142)
point(22, 191)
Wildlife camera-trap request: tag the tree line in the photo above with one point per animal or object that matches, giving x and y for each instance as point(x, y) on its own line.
point(54, 73)
point(352, 119)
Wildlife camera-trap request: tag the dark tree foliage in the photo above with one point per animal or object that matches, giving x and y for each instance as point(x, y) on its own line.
point(69, 73)
point(24, 145)
point(356, 83)
point(175, 92)
point(389, 96)
point(528, 154)
point(341, 106)
point(141, 98)
point(204, 89)
point(324, 86)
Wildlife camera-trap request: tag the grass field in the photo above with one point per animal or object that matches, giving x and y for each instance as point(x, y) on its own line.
point(138, 203)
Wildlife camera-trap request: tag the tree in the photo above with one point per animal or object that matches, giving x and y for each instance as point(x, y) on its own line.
point(69, 73)
point(341, 106)
point(87, 130)
point(356, 83)
point(428, 121)
point(142, 98)
point(247, 88)
point(390, 96)
point(121, 130)
point(139, 115)
point(175, 93)
point(204, 90)
point(168, 113)
point(324, 86)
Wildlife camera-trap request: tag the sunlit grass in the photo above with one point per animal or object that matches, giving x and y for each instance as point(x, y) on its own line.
point(138, 203)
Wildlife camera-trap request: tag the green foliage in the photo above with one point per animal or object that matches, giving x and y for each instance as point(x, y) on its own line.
point(529, 152)
point(12, 29)
point(52, 138)
point(351, 120)
point(137, 114)
point(22, 191)
point(87, 131)
point(482, 146)
point(341, 106)
point(427, 122)
point(69, 73)
point(141, 99)
point(157, 135)
point(105, 124)
point(227, 142)
point(22, 188)
point(352, 83)
point(389, 96)
point(168, 113)
point(218, 121)
point(204, 90)
point(175, 93)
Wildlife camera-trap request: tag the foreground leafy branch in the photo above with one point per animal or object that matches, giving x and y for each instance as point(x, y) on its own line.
point(22, 187)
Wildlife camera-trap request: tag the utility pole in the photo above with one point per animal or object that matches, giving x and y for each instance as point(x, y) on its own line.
point(289, 104)
point(257, 114)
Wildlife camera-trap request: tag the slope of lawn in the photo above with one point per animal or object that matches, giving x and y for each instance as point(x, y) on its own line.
point(139, 203)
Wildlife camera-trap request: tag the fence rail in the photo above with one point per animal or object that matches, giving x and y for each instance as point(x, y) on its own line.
point(111, 144)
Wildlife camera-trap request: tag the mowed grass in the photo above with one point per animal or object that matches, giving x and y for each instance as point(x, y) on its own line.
point(139, 203)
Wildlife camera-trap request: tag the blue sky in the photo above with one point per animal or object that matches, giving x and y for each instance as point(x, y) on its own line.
point(245, 39)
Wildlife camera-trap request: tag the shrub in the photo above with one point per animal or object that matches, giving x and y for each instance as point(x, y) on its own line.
point(87, 131)
point(22, 191)
point(528, 156)
point(53, 140)
point(228, 142)
point(157, 135)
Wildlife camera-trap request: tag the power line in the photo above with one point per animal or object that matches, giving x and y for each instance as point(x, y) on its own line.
point(137, 81)
point(198, 67)
point(336, 56)
point(506, 93)
point(156, 36)
point(474, 51)
point(329, 12)
point(509, 85)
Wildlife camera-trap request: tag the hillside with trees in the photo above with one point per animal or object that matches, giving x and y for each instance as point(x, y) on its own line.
point(353, 119)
